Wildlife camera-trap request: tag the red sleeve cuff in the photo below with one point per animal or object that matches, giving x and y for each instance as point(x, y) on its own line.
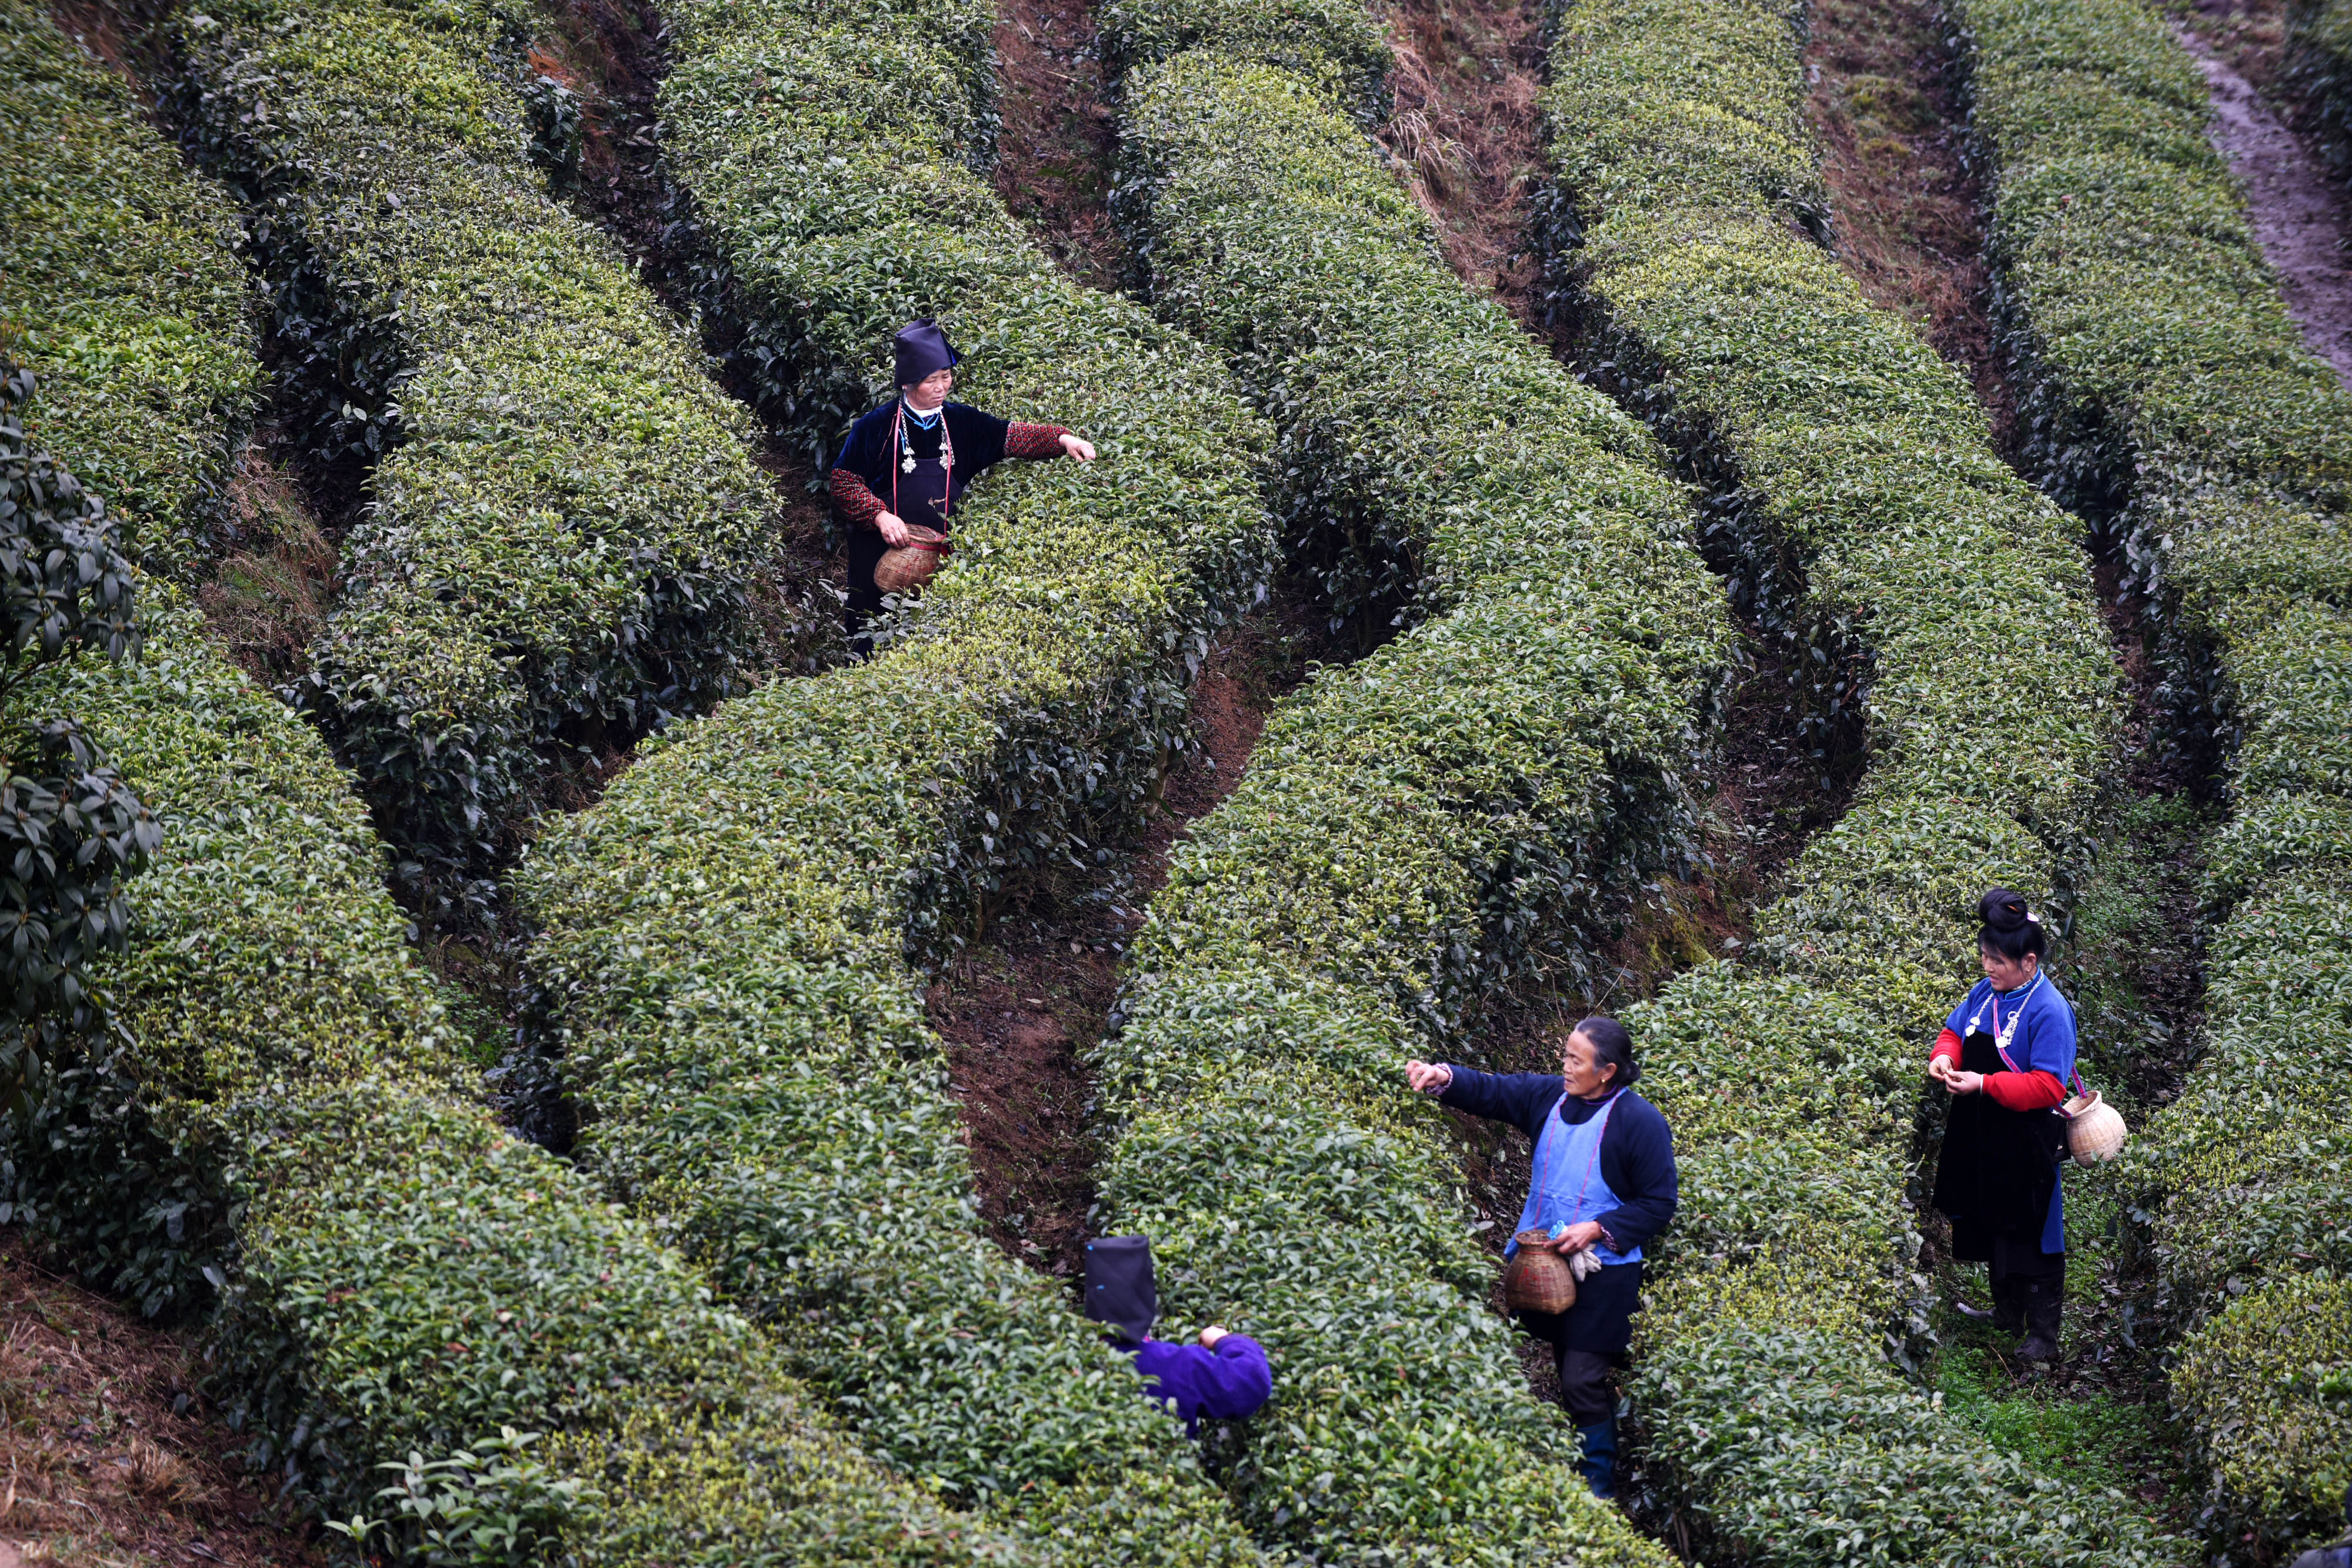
point(1033, 440)
point(859, 503)
point(2025, 1091)
point(1947, 1044)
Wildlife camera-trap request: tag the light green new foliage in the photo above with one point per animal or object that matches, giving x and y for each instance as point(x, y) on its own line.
point(563, 506)
point(724, 942)
point(1938, 616)
point(1413, 832)
point(119, 290)
point(2169, 386)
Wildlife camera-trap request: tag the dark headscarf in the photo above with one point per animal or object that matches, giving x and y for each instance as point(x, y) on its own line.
point(923, 347)
point(1120, 1291)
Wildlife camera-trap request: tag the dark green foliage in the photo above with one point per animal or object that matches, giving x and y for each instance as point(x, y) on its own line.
point(2168, 381)
point(284, 1127)
point(2319, 71)
point(724, 940)
point(563, 507)
point(1938, 617)
point(70, 829)
point(1413, 831)
point(120, 290)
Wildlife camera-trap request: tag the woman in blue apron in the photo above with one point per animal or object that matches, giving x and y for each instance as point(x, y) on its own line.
point(2006, 1054)
point(1604, 1179)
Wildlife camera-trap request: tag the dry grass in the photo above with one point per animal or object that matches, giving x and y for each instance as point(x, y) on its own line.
point(110, 1456)
point(1907, 209)
point(1466, 135)
point(268, 594)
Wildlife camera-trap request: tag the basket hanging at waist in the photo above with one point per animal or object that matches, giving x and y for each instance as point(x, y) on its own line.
point(907, 566)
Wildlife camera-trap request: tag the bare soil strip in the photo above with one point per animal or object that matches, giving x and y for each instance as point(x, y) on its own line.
point(1024, 1003)
point(1058, 138)
point(111, 1456)
point(1467, 138)
point(2299, 217)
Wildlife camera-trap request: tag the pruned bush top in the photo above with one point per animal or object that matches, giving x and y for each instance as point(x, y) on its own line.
point(1460, 807)
point(275, 1130)
point(725, 940)
point(120, 291)
point(562, 506)
point(1937, 617)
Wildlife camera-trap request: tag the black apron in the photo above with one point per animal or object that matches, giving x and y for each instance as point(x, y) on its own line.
point(1998, 1166)
point(922, 501)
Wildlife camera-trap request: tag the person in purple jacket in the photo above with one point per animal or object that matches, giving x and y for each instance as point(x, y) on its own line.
point(1224, 1376)
point(1604, 1180)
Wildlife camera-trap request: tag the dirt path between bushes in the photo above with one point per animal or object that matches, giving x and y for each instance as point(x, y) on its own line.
point(112, 1455)
point(2298, 215)
point(1024, 1003)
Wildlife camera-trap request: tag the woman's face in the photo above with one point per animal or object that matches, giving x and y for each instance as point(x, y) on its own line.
point(1579, 1073)
point(2006, 973)
point(930, 392)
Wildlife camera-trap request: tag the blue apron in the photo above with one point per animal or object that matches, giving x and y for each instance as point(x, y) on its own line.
point(1568, 1187)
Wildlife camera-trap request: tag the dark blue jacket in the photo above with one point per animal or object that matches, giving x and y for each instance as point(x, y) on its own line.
point(1637, 1152)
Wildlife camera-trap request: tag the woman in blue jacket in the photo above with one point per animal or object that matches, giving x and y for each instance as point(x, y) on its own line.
point(1604, 1169)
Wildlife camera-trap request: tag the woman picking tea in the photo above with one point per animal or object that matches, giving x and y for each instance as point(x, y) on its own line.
point(1603, 1184)
point(905, 463)
point(2006, 1054)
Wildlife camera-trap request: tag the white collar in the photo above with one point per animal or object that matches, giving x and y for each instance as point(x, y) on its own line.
point(918, 416)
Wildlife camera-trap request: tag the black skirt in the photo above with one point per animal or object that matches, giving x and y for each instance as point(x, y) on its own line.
point(1998, 1166)
point(1601, 1321)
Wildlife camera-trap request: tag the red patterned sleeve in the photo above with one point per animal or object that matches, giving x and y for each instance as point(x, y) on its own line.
point(1033, 440)
point(859, 503)
point(2025, 1091)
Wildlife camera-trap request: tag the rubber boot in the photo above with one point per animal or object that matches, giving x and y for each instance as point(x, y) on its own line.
point(2045, 1304)
point(1600, 1461)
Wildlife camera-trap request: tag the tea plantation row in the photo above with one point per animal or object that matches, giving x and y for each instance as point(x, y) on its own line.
point(1938, 617)
point(2169, 389)
point(722, 955)
point(120, 291)
point(562, 507)
point(281, 1116)
point(1461, 806)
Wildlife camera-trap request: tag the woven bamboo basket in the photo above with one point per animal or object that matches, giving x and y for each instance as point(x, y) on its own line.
point(909, 565)
point(2095, 1129)
point(1537, 1279)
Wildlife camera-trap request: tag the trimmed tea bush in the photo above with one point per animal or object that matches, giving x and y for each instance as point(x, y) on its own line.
point(563, 506)
point(282, 1125)
point(272, 1128)
point(2169, 386)
point(120, 290)
point(726, 941)
point(1414, 831)
point(1938, 617)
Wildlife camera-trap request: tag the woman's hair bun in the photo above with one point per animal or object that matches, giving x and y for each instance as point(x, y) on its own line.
point(2003, 911)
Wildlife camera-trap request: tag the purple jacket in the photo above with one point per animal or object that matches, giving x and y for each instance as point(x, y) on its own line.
point(1230, 1381)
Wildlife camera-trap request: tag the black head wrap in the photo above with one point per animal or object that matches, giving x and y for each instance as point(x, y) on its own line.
point(922, 349)
point(2010, 926)
point(1119, 1292)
